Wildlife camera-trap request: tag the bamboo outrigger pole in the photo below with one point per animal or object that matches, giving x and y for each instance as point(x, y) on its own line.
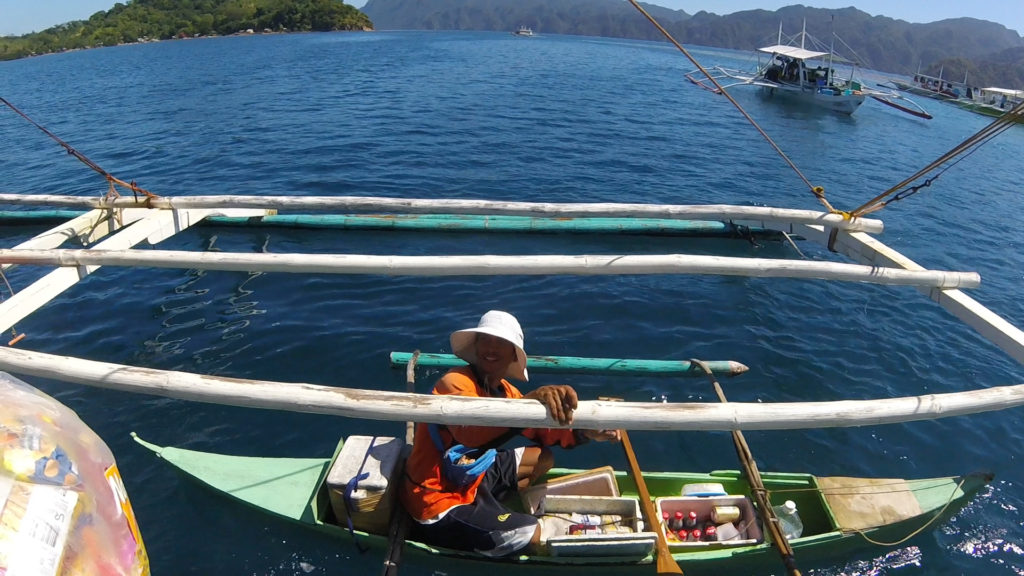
point(756, 484)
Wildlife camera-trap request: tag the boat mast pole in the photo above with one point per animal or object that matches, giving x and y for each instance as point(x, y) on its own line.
point(832, 52)
point(756, 484)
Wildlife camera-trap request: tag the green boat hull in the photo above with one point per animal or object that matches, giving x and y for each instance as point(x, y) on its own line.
point(840, 515)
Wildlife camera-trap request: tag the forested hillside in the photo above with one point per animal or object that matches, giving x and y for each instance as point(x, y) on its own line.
point(141, 20)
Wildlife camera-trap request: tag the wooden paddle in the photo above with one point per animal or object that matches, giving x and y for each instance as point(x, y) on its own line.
point(665, 563)
point(756, 483)
point(399, 525)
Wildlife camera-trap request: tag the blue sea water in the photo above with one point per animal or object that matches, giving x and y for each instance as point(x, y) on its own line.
point(492, 116)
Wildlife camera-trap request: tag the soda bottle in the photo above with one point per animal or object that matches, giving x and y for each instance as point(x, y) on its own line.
point(677, 521)
point(691, 520)
point(710, 533)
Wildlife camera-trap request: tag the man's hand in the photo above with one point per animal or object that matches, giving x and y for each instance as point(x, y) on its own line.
point(602, 435)
point(560, 400)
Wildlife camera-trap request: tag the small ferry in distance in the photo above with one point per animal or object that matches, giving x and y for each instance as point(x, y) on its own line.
point(523, 31)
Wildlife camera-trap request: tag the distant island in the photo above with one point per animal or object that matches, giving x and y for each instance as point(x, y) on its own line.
point(986, 53)
point(151, 20)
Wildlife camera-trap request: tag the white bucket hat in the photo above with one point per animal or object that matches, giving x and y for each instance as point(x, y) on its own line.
point(496, 323)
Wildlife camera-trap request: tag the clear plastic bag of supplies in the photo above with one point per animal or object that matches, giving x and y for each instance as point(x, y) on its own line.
point(63, 508)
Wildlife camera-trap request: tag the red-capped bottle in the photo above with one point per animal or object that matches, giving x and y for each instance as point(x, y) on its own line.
point(677, 521)
point(710, 533)
point(665, 520)
point(695, 535)
point(691, 520)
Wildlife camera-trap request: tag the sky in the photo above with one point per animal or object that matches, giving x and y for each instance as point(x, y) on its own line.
point(24, 16)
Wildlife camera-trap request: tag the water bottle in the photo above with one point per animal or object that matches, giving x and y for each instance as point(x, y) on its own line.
point(789, 521)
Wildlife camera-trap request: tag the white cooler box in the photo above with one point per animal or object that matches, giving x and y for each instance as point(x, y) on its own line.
point(374, 497)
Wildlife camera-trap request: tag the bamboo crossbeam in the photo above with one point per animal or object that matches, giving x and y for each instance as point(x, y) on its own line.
point(868, 250)
point(133, 227)
point(587, 265)
point(457, 206)
point(458, 410)
point(578, 364)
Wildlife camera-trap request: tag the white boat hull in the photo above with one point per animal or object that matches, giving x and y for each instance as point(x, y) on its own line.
point(842, 103)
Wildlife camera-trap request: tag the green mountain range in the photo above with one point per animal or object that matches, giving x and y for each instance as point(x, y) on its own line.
point(989, 53)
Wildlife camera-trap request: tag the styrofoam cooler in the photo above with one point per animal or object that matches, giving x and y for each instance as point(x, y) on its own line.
point(373, 498)
point(633, 542)
point(745, 530)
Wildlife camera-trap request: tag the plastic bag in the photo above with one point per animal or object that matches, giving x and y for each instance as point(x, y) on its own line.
point(63, 507)
point(461, 465)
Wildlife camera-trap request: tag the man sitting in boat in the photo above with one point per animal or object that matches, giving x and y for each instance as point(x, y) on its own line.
point(471, 517)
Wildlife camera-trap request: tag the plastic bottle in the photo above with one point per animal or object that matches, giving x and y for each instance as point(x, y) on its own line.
point(789, 520)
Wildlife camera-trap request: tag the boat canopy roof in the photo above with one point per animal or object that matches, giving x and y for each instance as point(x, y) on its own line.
point(792, 52)
point(1007, 91)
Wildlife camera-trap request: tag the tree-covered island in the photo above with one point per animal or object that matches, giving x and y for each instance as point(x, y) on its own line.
point(150, 20)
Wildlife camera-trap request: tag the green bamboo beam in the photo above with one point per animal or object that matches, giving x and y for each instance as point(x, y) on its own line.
point(574, 364)
point(37, 217)
point(455, 223)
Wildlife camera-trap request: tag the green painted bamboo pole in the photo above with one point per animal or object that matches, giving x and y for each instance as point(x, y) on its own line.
point(575, 364)
point(34, 217)
point(457, 223)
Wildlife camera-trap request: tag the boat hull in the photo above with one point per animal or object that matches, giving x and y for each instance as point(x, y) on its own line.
point(842, 103)
point(986, 110)
point(837, 512)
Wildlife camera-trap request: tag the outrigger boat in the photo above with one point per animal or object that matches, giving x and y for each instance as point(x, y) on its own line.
point(836, 512)
point(839, 514)
point(804, 74)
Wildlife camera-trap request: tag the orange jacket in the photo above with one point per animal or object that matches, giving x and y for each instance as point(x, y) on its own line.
point(424, 494)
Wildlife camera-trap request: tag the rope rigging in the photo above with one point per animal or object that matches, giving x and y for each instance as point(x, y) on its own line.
point(110, 178)
point(818, 191)
point(945, 162)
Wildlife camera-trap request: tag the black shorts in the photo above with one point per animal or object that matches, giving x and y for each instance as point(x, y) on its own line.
point(485, 526)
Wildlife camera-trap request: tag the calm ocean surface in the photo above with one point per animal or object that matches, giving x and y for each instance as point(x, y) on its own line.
point(491, 116)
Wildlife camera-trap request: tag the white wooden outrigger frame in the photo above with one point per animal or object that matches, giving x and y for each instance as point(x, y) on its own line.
point(112, 228)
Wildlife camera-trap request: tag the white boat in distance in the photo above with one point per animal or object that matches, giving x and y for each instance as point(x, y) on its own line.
point(523, 31)
point(795, 71)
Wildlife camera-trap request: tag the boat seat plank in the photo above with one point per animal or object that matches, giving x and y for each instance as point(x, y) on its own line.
point(866, 503)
